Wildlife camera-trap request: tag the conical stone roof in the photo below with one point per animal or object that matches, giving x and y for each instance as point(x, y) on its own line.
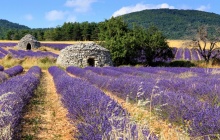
point(81, 53)
point(28, 39)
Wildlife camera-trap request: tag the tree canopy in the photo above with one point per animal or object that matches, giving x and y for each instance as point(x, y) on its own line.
point(175, 24)
point(127, 46)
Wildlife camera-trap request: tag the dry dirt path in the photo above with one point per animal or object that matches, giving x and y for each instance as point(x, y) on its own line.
point(45, 117)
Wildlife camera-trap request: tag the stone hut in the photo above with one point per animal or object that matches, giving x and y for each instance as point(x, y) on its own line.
point(83, 55)
point(28, 42)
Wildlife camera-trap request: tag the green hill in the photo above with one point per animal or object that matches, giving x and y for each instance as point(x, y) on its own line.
point(175, 24)
point(5, 26)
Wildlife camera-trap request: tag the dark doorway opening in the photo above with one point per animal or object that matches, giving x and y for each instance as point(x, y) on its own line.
point(91, 62)
point(28, 46)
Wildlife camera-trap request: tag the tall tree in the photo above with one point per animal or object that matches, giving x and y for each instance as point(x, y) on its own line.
point(127, 45)
point(156, 47)
point(114, 36)
point(203, 40)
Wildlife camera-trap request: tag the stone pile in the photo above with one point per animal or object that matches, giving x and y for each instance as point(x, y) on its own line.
point(83, 55)
point(28, 42)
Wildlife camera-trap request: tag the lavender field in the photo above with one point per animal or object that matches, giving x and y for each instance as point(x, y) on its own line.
point(188, 54)
point(106, 103)
point(188, 98)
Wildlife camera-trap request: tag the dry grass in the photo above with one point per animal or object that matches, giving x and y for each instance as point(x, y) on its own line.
point(47, 49)
point(9, 41)
point(164, 130)
point(8, 61)
point(178, 43)
point(28, 62)
point(65, 42)
point(203, 64)
point(45, 118)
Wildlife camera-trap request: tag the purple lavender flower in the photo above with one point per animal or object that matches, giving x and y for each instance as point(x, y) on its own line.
point(96, 112)
point(1, 68)
point(14, 95)
point(14, 70)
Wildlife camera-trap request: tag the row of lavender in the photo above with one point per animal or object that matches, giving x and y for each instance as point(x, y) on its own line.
point(181, 95)
point(188, 54)
point(96, 115)
point(7, 44)
point(5, 74)
point(58, 46)
point(29, 53)
point(14, 95)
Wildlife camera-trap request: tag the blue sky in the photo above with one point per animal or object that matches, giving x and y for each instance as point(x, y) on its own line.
point(51, 13)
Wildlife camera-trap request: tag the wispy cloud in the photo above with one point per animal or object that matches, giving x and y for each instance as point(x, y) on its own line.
point(80, 5)
point(29, 17)
point(204, 8)
point(55, 15)
point(140, 7)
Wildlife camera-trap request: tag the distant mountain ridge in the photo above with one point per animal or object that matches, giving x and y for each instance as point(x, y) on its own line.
point(175, 24)
point(6, 25)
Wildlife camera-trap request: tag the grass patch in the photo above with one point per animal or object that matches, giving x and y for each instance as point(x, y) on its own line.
point(30, 123)
point(8, 61)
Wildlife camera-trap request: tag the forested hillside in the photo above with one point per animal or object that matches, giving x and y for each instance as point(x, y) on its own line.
point(175, 24)
point(6, 26)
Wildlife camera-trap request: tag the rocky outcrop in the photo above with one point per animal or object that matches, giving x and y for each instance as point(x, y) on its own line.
point(83, 55)
point(28, 42)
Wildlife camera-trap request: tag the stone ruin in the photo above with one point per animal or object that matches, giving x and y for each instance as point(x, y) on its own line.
point(28, 42)
point(83, 55)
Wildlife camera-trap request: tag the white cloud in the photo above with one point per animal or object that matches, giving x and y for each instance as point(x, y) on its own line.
point(55, 15)
point(204, 8)
point(80, 5)
point(140, 7)
point(29, 17)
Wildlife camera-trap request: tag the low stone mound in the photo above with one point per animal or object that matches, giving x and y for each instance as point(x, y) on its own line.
point(28, 42)
point(83, 55)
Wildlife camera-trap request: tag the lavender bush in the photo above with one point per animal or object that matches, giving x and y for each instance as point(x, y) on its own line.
point(3, 51)
point(2, 55)
point(30, 53)
point(14, 95)
point(6, 44)
point(14, 70)
point(57, 46)
point(1, 68)
point(187, 54)
point(195, 55)
point(3, 77)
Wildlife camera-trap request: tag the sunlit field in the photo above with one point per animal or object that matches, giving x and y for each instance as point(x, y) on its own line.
point(179, 43)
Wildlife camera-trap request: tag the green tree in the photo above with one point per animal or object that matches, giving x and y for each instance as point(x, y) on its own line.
point(127, 45)
point(86, 31)
point(155, 46)
point(114, 36)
